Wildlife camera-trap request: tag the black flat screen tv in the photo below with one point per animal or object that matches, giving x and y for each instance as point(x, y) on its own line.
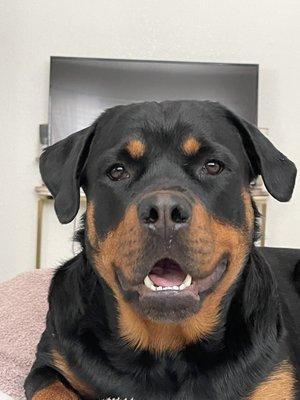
point(81, 88)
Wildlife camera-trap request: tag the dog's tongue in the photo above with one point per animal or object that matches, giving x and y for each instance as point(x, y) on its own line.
point(167, 272)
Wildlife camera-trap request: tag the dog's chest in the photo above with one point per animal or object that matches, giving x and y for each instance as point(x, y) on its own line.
point(279, 385)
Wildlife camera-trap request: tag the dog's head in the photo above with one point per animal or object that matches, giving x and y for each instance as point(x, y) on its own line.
point(169, 216)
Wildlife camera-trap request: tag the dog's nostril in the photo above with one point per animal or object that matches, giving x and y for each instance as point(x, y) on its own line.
point(164, 211)
point(152, 216)
point(178, 215)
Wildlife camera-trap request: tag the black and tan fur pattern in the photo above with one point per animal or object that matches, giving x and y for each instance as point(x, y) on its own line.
point(179, 194)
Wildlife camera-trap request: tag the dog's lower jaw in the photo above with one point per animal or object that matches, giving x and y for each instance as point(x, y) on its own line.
point(157, 336)
point(165, 304)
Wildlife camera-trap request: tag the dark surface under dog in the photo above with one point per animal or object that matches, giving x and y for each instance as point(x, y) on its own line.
point(169, 298)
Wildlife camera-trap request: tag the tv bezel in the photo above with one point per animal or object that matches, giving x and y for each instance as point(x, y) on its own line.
point(223, 64)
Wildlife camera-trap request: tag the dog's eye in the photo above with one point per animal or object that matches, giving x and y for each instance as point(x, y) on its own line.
point(117, 172)
point(213, 167)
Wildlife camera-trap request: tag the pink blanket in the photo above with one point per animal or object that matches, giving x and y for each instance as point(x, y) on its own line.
point(23, 307)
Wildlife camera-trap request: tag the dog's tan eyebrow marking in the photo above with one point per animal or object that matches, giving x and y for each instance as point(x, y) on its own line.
point(136, 148)
point(190, 146)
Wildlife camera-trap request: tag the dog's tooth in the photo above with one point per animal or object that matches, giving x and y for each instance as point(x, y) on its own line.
point(188, 281)
point(170, 288)
point(149, 283)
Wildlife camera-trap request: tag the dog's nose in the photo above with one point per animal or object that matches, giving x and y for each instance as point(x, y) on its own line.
point(164, 212)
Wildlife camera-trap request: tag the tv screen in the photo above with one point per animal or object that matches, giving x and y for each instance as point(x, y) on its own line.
point(81, 88)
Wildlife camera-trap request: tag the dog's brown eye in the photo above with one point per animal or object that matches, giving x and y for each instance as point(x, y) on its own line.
point(117, 172)
point(213, 167)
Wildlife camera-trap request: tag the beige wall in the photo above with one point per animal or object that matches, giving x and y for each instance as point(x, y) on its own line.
point(253, 31)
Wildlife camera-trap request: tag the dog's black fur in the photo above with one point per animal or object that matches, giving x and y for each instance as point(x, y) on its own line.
point(259, 322)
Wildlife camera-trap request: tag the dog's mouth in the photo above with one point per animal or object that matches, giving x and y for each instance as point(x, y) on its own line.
point(168, 276)
point(168, 292)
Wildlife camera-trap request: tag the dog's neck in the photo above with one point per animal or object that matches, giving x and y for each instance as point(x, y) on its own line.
point(249, 336)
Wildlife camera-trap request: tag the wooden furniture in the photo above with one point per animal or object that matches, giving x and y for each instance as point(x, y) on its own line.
point(260, 197)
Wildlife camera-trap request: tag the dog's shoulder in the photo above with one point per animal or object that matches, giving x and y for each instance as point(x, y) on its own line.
point(76, 291)
point(285, 264)
point(66, 292)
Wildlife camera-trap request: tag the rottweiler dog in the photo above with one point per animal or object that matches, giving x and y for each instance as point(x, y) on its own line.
point(169, 298)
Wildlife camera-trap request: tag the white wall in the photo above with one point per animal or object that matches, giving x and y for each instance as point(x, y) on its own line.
point(253, 31)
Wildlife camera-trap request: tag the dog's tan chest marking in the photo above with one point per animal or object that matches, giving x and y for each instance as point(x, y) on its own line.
point(279, 386)
point(55, 391)
point(61, 364)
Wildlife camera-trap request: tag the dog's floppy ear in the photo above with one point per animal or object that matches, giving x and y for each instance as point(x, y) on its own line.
point(61, 165)
point(277, 171)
